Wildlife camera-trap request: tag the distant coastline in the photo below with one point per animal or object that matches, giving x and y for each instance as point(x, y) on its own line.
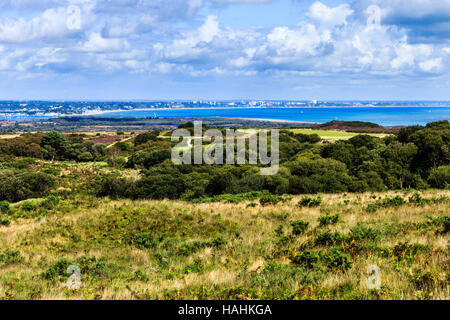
point(99, 112)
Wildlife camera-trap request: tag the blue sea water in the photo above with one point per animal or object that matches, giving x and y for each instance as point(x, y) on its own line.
point(386, 116)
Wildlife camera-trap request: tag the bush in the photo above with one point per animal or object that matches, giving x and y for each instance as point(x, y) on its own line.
point(16, 185)
point(335, 259)
point(117, 162)
point(85, 157)
point(10, 257)
point(418, 200)
point(5, 222)
point(50, 202)
point(387, 202)
point(57, 269)
point(310, 202)
point(299, 227)
point(328, 219)
point(144, 240)
point(440, 177)
point(270, 199)
point(332, 259)
point(29, 206)
point(4, 207)
point(113, 187)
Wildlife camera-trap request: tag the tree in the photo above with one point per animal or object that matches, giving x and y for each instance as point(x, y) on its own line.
point(55, 143)
point(440, 177)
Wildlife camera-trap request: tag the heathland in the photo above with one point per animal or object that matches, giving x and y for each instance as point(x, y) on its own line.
point(140, 227)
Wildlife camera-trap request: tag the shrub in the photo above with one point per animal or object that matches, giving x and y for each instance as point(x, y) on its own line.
point(418, 200)
point(404, 250)
point(299, 227)
point(335, 259)
point(10, 257)
point(113, 187)
point(117, 161)
point(270, 199)
point(86, 157)
point(144, 240)
point(57, 269)
point(16, 185)
point(387, 202)
point(5, 222)
point(4, 207)
point(195, 267)
point(331, 259)
point(29, 206)
point(328, 219)
point(328, 238)
point(50, 202)
point(307, 258)
point(310, 202)
point(440, 177)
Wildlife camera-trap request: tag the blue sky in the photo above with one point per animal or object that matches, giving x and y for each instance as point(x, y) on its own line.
point(225, 49)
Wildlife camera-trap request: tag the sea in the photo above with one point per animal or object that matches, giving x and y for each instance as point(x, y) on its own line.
point(385, 116)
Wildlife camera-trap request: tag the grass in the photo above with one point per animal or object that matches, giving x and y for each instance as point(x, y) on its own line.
point(333, 134)
point(220, 250)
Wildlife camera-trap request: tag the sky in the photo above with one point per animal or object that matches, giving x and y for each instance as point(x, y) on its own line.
point(225, 49)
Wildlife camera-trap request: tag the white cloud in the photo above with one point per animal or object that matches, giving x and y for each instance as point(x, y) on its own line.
point(329, 17)
point(432, 65)
point(170, 36)
point(96, 43)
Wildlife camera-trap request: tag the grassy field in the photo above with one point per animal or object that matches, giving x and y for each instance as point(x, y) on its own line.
point(333, 134)
point(246, 250)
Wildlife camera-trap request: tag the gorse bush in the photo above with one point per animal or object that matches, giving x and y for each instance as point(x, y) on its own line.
point(299, 227)
point(57, 269)
point(5, 222)
point(17, 185)
point(144, 240)
point(270, 199)
point(10, 257)
point(387, 202)
point(328, 219)
point(4, 207)
point(310, 202)
point(316, 259)
point(29, 206)
point(418, 200)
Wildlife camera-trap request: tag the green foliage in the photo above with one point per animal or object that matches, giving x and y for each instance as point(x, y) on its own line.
point(310, 202)
point(387, 202)
point(418, 200)
point(4, 222)
point(144, 240)
point(117, 161)
point(55, 145)
point(4, 207)
point(404, 250)
point(16, 185)
point(57, 269)
point(195, 267)
point(299, 227)
point(270, 199)
point(440, 177)
point(231, 198)
point(145, 137)
point(316, 259)
point(328, 219)
point(29, 206)
point(10, 257)
point(50, 202)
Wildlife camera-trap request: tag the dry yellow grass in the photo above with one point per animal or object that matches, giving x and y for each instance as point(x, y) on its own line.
point(252, 263)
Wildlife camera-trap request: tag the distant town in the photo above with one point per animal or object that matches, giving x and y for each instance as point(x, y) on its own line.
point(9, 109)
